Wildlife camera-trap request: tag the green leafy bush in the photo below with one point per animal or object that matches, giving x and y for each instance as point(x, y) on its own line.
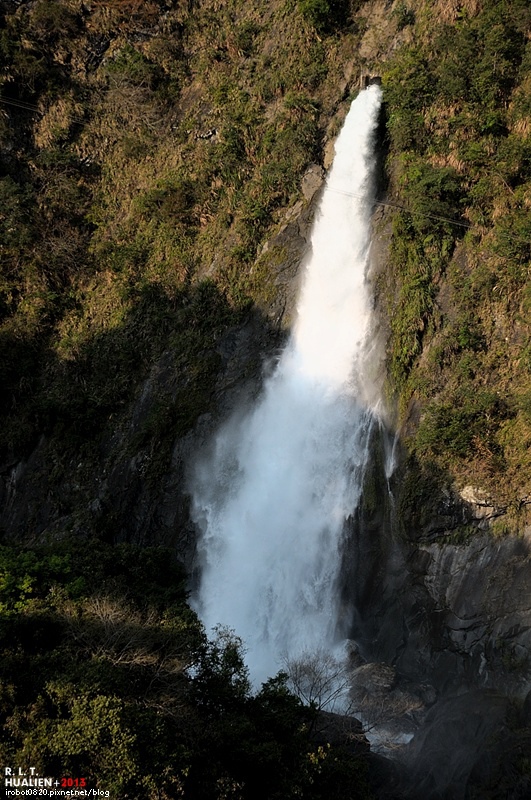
point(404, 15)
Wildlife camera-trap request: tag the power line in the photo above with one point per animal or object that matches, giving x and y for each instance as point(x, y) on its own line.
point(403, 208)
point(425, 214)
point(34, 109)
point(29, 107)
point(20, 104)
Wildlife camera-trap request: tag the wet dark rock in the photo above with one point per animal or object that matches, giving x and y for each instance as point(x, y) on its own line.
point(453, 619)
point(456, 735)
point(340, 731)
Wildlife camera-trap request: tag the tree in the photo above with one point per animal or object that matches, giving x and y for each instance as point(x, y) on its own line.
point(319, 679)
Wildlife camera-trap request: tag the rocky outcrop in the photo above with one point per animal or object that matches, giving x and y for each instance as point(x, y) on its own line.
point(443, 623)
point(124, 489)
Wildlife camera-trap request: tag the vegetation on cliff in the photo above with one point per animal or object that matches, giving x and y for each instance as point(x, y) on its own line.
point(460, 153)
point(146, 149)
point(147, 152)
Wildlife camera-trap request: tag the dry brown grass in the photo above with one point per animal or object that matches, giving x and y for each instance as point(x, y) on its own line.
point(449, 160)
point(522, 128)
point(127, 14)
point(57, 120)
point(451, 10)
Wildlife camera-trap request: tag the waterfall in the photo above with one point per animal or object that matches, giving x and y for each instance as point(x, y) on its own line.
point(272, 497)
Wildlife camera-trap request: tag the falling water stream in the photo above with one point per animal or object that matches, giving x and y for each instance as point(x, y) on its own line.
point(272, 498)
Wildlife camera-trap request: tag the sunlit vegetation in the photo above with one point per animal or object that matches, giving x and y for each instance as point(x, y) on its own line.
point(457, 99)
point(140, 154)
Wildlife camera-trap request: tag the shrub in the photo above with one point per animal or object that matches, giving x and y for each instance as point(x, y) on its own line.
point(51, 20)
point(404, 15)
point(454, 428)
point(324, 15)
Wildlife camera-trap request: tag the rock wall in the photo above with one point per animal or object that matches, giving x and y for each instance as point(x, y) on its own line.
point(441, 664)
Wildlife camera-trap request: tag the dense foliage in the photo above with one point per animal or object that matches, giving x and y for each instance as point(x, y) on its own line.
point(458, 102)
point(106, 673)
point(143, 146)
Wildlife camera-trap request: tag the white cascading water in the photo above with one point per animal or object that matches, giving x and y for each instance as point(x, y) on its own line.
point(272, 498)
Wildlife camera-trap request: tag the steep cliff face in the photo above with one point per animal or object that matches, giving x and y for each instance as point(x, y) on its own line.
point(147, 161)
point(124, 488)
point(441, 670)
point(442, 588)
point(455, 611)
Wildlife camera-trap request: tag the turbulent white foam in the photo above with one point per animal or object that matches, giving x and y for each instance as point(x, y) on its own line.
point(272, 498)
